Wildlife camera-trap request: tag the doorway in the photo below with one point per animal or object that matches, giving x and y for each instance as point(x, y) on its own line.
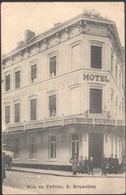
point(96, 147)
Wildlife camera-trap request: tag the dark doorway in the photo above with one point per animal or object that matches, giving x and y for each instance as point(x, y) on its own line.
point(96, 147)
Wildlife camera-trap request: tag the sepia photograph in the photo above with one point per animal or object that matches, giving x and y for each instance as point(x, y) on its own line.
point(63, 98)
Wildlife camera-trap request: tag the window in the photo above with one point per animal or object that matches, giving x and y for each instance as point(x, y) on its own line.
point(16, 148)
point(52, 105)
point(112, 61)
point(75, 100)
point(116, 72)
point(7, 114)
point(120, 78)
point(52, 64)
point(75, 144)
point(96, 100)
point(76, 56)
point(7, 86)
point(33, 73)
point(96, 57)
point(33, 148)
point(52, 146)
point(17, 79)
point(17, 112)
point(33, 108)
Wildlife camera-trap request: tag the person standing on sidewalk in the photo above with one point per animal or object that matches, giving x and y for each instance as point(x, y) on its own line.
point(111, 164)
point(103, 165)
point(90, 165)
point(81, 165)
point(116, 164)
point(74, 162)
point(85, 165)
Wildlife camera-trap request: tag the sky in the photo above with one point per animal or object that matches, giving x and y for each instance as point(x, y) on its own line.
point(41, 16)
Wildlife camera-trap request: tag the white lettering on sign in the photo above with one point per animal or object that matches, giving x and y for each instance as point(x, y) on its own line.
point(44, 87)
point(92, 77)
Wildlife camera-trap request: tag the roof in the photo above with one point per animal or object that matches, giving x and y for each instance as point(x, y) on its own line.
point(87, 15)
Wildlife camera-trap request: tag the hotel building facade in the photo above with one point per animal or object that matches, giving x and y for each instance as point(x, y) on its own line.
point(63, 93)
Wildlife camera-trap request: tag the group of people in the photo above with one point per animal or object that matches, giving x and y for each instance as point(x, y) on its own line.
point(108, 165)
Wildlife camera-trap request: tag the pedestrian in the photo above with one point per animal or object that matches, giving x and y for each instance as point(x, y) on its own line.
point(3, 166)
point(85, 165)
point(103, 165)
point(111, 164)
point(81, 165)
point(116, 164)
point(74, 162)
point(90, 165)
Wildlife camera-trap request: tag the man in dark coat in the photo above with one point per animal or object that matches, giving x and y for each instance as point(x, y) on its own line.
point(116, 164)
point(111, 164)
point(103, 165)
point(74, 162)
point(85, 165)
point(90, 165)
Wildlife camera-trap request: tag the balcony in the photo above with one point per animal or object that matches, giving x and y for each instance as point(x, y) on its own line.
point(94, 119)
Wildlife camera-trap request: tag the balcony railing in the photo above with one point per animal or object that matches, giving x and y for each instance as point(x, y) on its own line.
point(63, 121)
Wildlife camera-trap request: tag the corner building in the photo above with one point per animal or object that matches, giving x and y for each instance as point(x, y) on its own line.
point(63, 93)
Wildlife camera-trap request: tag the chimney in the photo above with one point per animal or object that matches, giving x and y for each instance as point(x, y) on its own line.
point(20, 43)
point(57, 24)
point(28, 35)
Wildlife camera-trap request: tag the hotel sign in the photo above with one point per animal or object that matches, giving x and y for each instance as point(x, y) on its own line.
point(95, 77)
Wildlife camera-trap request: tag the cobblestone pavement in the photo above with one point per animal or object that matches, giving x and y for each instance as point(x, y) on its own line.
point(49, 184)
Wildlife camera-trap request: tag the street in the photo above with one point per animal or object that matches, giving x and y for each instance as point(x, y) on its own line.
point(36, 183)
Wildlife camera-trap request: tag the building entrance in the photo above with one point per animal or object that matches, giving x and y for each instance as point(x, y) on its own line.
point(96, 147)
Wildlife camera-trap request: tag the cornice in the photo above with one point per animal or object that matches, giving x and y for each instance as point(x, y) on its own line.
point(80, 22)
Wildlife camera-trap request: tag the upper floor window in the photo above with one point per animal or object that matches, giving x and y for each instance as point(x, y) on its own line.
point(17, 79)
point(95, 100)
point(116, 72)
point(52, 66)
point(76, 56)
point(112, 60)
point(33, 109)
point(7, 114)
point(17, 112)
point(75, 96)
point(120, 78)
point(96, 56)
point(52, 106)
point(33, 73)
point(7, 82)
point(52, 146)
point(33, 147)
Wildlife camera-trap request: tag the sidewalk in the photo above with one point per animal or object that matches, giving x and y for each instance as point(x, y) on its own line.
point(97, 172)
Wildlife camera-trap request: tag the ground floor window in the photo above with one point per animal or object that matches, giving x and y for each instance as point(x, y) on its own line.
point(75, 144)
point(32, 147)
point(52, 146)
point(16, 148)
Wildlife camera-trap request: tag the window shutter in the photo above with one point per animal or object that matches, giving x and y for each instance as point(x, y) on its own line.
point(49, 152)
point(7, 82)
point(33, 71)
point(76, 57)
point(53, 64)
point(96, 57)
point(52, 101)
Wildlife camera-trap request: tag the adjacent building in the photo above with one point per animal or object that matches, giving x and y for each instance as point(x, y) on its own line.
point(63, 93)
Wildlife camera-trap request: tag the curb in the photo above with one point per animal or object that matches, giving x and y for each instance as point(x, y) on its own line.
point(62, 175)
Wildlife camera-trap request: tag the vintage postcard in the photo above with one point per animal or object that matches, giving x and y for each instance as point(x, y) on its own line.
point(63, 98)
